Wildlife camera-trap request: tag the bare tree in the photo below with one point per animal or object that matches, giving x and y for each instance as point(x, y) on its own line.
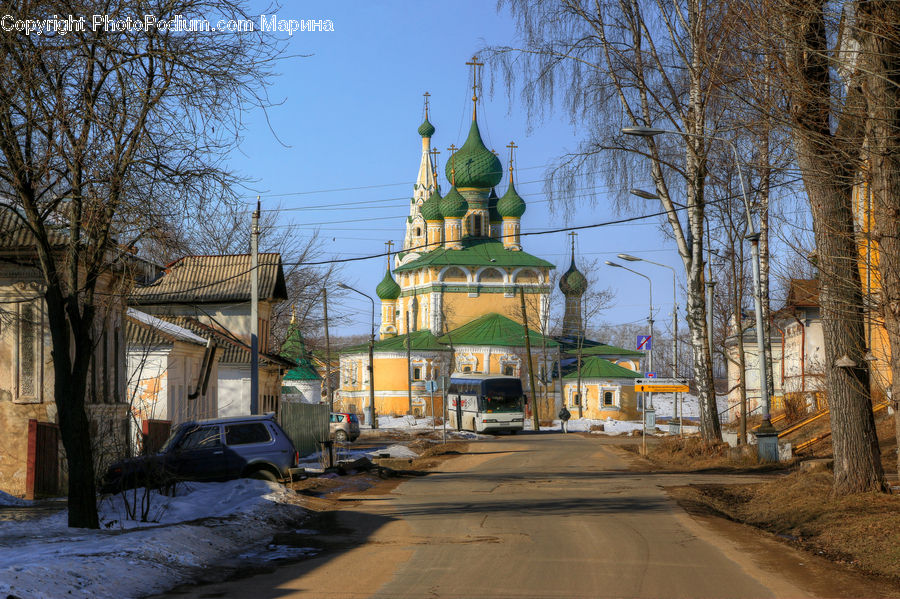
point(105, 134)
point(827, 125)
point(635, 63)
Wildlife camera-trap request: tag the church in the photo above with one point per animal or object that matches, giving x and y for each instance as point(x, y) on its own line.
point(454, 298)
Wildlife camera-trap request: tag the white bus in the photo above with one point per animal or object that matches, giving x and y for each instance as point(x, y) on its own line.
point(486, 403)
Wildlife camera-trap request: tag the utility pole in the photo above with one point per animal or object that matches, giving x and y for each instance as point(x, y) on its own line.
point(535, 421)
point(329, 392)
point(254, 311)
point(409, 376)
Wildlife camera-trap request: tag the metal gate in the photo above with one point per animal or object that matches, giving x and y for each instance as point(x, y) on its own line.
point(306, 424)
point(42, 476)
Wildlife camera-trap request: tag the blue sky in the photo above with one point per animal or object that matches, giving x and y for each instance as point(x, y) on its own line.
point(348, 118)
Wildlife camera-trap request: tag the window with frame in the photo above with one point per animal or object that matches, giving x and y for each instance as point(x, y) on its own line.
point(28, 342)
point(609, 398)
point(509, 370)
point(417, 373)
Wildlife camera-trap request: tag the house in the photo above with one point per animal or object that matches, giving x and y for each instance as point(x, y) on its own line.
point(606, 390)
point(798, 355)
point(210, 296)
point(32, 461)
point(167, 369)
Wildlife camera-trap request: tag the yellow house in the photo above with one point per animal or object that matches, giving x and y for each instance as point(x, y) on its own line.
point(607, 390)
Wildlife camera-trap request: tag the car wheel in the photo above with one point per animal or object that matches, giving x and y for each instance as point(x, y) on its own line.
point(263, 475)
point(340, 436)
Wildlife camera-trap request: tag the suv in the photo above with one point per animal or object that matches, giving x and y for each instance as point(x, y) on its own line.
point(344, 427)
point(212, 450)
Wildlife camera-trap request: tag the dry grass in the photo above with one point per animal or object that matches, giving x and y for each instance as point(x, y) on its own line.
point(862, 530)
point(693, 454)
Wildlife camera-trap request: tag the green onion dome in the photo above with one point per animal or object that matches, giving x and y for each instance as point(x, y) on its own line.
point(388, 289)
point(474, 165)
point(426, 129)
point(511, 205)
point(573, 282)
point(454, 205)
point(431, 208)
point(493, 214)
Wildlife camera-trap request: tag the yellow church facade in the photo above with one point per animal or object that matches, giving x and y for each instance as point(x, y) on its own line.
point(452, 297)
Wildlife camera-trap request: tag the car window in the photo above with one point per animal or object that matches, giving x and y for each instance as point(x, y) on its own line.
point(201, 438)
point(340, 417)
point(334, 418)
point(243, 434)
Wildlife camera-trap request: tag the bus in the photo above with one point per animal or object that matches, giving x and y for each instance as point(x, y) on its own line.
point(486, 403)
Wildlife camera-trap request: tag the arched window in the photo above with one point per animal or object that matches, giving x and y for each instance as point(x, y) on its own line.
point(476, 225)
point(418, 231)
point(608, 398)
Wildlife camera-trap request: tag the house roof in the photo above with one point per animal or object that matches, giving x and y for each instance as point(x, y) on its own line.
point(603, 349)
point(213, 279)
point(15, 234)
point(145, 330)
point(421, 340)
point(598, 368)
point(231, 349)
point(476, 252)
point(495, 329)
point(803, 293)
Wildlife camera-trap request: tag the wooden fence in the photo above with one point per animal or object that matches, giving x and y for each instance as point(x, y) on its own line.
point(306, 424)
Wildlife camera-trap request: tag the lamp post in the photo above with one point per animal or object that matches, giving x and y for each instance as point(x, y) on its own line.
point(767, 438)
point(631, 258)
point(649, 412)
point(372, 420)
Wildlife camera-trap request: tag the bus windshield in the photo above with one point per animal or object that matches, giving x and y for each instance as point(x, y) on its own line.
point(502, 395)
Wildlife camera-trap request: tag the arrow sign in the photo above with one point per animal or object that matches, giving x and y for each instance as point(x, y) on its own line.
point(644, 342)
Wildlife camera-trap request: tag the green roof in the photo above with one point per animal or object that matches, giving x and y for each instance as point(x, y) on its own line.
point(422, 340)
point(454, 205)
point(495, 329)
point(476, 252)
point(493, 215)
point(474, 165)
point(511, 205)
point(431, 208)
point(573, 282)
point(426, 129)
point(604, 350)
point(387, 289)
point(598, 368)
point(294, 348)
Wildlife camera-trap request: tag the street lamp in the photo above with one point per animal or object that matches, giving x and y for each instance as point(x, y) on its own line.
point(631, 258)
point(372, 420)
point(766, 437)
point(649, 412)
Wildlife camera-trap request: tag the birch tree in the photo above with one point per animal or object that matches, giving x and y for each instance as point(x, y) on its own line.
point(615, 63)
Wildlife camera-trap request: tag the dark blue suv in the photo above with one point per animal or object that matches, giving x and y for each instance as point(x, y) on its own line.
point(212, 450)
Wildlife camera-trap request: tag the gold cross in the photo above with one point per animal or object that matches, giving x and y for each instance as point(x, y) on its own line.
point(573, 235)
point(512, 146)
point(475, 64)
point(427, 95)
point(452, 150)
point(434, 155)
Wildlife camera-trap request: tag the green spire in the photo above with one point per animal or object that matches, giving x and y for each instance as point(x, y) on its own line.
point(475, 165)
point(454, 205)
point(426, 129)
point(388, 289)
point(511, 205)
point(431, 208)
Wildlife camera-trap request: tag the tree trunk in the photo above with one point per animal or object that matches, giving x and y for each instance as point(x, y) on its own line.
point(880, 63)
point(703, 375)
point(829, 162)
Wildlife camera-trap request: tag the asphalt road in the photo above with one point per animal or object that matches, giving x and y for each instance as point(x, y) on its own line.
point(540, 515)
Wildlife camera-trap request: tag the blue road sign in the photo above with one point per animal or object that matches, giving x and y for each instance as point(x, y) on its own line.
point(644, 342)
point(649, 375)
point(431, 386)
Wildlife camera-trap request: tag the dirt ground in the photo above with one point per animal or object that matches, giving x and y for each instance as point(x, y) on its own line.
point(797, 505)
